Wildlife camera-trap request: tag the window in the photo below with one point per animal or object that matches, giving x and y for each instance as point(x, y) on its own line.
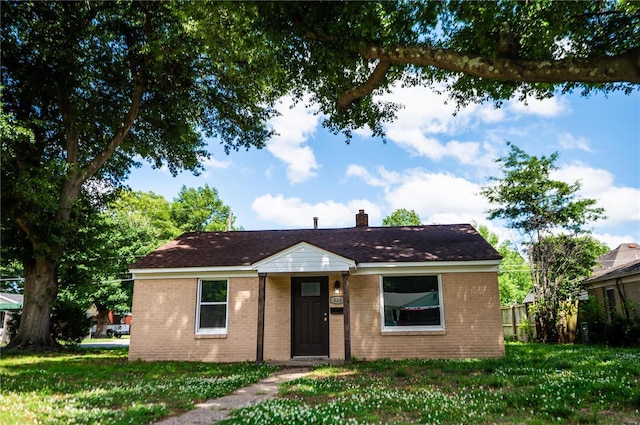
point(611, 302)
point(212, 306)
point(412, 303)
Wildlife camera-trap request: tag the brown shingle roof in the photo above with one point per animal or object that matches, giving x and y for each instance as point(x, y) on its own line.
point(457, 242)
point(624, 254)
point(616, 272)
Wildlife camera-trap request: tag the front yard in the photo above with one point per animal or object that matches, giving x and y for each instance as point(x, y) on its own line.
point(533, 384)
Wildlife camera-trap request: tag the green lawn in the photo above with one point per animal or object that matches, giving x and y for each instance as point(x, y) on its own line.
point(532, 384)
point(101, 387)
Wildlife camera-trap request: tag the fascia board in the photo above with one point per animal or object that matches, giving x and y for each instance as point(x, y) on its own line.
point(193, 272)
point(486, 266)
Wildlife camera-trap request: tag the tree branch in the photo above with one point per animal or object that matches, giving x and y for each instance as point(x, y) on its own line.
point(361, 91)
point(73, 185)
point(624, 67)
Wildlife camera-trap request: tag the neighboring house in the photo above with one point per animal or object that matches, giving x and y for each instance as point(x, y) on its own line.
point(9, 304)
point(366, 292)
point(616, 282)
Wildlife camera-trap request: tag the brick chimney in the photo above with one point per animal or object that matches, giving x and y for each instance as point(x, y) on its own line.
point(362, 219)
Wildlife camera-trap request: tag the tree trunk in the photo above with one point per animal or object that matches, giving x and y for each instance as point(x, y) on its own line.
point(103, 323)
point(40, 292)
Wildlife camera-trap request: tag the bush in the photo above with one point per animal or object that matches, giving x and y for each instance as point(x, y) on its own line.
point(69, 322)
point(620, 331)
point(526, 330)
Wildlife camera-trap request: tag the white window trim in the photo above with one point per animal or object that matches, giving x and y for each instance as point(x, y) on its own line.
point(405, 329)
point(211, 331)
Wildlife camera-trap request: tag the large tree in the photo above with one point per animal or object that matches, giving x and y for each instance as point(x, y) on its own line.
point(552, 220)
point(102, 85)
point(344, 53)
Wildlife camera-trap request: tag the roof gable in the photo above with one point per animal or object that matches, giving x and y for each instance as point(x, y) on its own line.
point(303, 257)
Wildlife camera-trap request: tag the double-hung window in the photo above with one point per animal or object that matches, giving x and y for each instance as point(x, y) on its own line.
point(412, 303)
point(211, 317)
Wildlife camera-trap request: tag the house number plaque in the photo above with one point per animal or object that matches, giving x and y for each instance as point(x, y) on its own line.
point(336, 300)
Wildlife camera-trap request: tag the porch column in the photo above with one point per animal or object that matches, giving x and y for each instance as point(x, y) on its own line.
point(347, 317)
point(262, 279)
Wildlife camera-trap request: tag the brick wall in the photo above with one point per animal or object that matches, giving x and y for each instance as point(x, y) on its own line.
point(473, 326)
point(336, 322)
point(163, 324)
point(164, 312)
point(277, 318)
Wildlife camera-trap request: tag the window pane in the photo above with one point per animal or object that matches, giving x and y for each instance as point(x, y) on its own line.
point(310, 289)
point(411, 301)
point(214, 291)
point(213, 316)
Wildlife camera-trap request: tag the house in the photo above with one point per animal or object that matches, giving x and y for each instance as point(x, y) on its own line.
point(276, 295)
point(9, 304)
point(615, 283)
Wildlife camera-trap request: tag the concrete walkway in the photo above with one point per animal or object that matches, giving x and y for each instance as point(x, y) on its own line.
point(212, 411)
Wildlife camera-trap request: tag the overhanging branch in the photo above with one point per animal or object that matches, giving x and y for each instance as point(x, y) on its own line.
point(370, 85)
point(622, 68)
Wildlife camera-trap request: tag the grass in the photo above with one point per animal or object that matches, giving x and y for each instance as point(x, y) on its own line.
point(90, 386)
point(533, 384)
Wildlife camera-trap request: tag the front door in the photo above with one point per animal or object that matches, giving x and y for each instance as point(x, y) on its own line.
point(310, 313)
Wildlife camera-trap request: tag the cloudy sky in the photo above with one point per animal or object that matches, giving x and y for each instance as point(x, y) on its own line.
point(434, 162)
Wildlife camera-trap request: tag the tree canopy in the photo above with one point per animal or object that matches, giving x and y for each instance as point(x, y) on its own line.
point(201, 209)
point(530, 201)
point(346, 52)
point(402, 217)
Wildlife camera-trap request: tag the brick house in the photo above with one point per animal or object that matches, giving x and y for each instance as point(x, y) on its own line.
point(615, 283)
point(366, 292)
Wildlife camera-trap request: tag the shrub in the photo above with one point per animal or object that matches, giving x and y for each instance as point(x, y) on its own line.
point(620, 331)
point(69, 322)
point(526, 330)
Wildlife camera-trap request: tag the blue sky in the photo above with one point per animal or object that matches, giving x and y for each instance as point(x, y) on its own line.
point(433, 162)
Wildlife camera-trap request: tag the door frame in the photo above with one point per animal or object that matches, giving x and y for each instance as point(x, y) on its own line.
point(322, 319)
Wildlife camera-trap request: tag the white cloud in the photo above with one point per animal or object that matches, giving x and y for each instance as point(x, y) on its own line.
point(360, 171)
point(569, 141)
point(215, 163)
point(294, 212)
point(435, 197)
point(613, 241)
point(621, 203)
point(427, 117)
point(550, 107)
point(294, 126)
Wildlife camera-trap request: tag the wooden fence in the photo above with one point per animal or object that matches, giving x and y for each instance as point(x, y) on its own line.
point(512, 317)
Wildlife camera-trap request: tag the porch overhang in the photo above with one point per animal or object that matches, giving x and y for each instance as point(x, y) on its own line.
point(304, 258)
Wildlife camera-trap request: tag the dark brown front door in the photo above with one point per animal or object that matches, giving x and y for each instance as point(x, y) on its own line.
point(310, 313)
